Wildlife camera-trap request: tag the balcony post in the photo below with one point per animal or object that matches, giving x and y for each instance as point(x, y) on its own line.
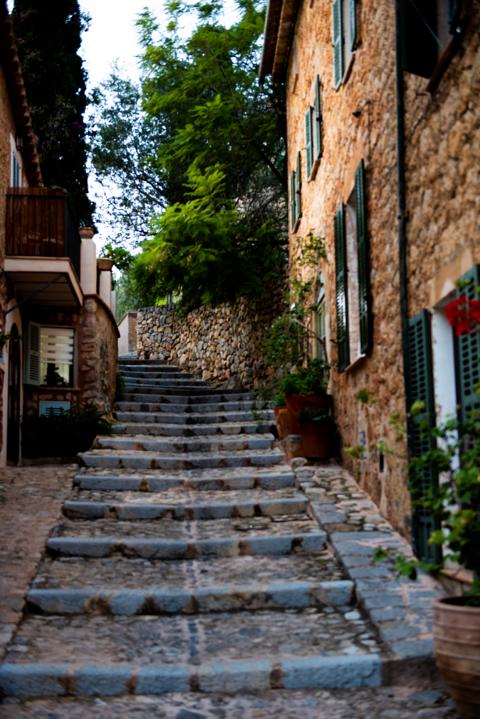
point(88, 261)
point(105, 280)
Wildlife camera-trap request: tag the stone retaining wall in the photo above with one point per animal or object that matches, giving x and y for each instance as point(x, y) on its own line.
point(223, 345)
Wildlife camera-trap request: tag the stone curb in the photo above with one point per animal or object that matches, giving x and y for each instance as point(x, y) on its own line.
point(313, 672)
point(271, 481)
point(124, 602)
point(179, 549)
point(179, 512)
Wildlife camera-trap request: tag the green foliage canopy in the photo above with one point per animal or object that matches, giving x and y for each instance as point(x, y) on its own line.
point(209, 142)
point(48, 37)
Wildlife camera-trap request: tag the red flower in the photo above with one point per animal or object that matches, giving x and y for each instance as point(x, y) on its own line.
point(463, 315)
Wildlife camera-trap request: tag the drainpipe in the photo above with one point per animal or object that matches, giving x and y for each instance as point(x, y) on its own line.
point(402, 202)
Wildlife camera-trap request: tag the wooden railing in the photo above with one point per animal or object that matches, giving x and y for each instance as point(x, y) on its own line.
point(39, 224)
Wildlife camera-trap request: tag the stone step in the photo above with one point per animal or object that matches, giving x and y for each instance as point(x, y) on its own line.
point(192, 430)
point(139, 375)
point(161, 600)
point(131, 507)
point(161, 384)
point(186, 395)
point(196, 409)
point(129, 459)
point(215, 480)
point(119, 573)
point(228, 652)
point(213, 443)
point(164, 539)
point(228, 419)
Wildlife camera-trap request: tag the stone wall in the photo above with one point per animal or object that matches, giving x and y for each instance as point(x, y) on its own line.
point(443, 173)
point(358, 123)
point(223, 345)
point(98, 354)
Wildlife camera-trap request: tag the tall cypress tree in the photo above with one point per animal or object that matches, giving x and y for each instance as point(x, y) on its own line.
point(49, 35)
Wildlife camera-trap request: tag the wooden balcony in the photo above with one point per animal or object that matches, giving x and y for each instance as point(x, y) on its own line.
point(39, 224)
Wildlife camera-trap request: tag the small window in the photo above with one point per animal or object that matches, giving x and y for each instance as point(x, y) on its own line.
point(321, 320)
point(16, 165)
point(428, 32)
point(50, 356)
point(296, 194)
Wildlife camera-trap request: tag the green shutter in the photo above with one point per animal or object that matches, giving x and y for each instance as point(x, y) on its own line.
point(420, 388)
point(353, 24)
point(32, 365)
point(293, 213)
point(308, 141)
point(298, 188)
point(468, 355)
point(337, 43)
point(343, 349)
point(363, 261)
point(317, 123)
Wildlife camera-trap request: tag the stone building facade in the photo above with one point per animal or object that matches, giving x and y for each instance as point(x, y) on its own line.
point(58, 335)
point(383, 161)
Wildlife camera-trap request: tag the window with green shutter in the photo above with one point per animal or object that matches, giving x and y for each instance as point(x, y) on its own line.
point(298, 188)
point(341, 295)
point(337, 21)
point(293, 213)
point(420, 388)
point(468, 354)
point(317, 122)
point(309, 141)
point(363, 261)
point(354, 317)
point(353, 24)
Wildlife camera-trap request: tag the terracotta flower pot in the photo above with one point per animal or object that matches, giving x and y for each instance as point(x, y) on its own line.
point(282, 420)
point(456, 629)
point(298, 402)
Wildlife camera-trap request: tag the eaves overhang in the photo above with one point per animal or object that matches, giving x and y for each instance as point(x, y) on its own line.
point(18, 97)
point(44, 281)
point(278, 37)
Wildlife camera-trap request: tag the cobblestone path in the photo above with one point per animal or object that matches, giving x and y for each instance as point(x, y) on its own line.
point(192, 564)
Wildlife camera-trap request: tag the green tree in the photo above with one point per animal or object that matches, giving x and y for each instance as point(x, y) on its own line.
point(49, 36)
point(216, 150)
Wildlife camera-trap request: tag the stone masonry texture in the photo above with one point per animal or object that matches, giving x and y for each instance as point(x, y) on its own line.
point(223, 345)
point(442, 137)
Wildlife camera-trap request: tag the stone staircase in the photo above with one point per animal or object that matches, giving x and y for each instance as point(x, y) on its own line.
point(188, 560)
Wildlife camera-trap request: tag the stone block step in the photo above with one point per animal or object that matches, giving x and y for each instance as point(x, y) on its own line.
point(192, 430)
point(180, 508)
point(153, 374)
point(191, 395)
point(214, 480)
point(166, 405)
point(164, 600)
point(214, 443)
point(161, 384)
point(136, 573)
point(129, 459)
point(182, 541)
point(188, 419)
point(228, 652)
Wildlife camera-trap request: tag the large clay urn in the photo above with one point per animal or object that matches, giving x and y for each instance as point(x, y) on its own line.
point(456, 629)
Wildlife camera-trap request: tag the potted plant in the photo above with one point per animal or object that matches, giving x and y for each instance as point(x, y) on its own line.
point(454, 506)
point(310, 408)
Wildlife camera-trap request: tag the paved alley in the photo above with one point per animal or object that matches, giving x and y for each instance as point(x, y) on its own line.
point(196, 575)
